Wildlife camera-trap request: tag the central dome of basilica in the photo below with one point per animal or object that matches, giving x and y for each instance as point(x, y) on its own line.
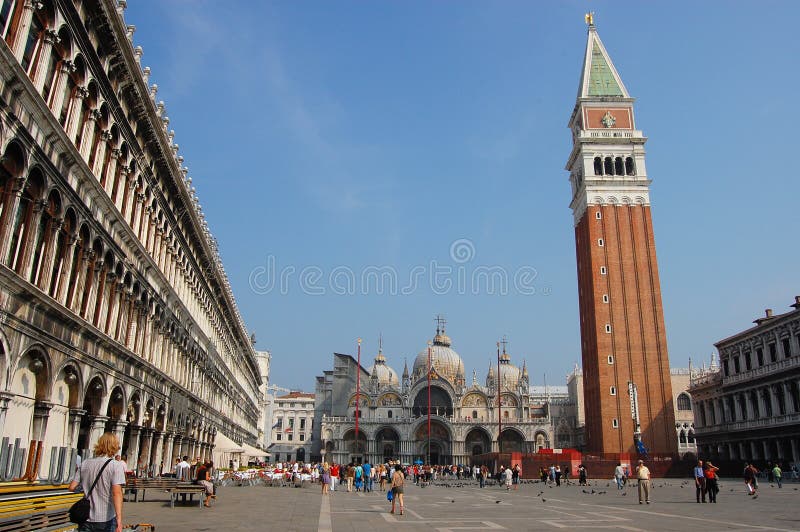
point(444, 360)
point(382, 372)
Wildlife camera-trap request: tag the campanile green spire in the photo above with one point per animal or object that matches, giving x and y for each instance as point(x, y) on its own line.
point(599, 77)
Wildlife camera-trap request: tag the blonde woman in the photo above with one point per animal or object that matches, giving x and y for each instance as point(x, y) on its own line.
point(106, 497)
point(326, 478)
point(382, 476)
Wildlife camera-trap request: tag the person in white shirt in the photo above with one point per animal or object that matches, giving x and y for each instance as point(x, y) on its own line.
point(105, 514)
point(507, 475)
point(182, 470)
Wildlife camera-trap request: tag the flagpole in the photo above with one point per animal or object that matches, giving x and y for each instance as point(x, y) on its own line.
point(358, 390)
point(428, 461)
point(499, 403)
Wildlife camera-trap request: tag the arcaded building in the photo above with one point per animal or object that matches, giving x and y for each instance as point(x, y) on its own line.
point(467, 419)
point(115, 311)
point(627, 386)
point(747, 406)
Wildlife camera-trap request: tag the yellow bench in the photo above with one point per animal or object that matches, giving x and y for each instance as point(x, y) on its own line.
point(34, 507)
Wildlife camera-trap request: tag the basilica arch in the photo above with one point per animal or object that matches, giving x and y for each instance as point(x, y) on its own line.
point(387, 443)
point(477, 441)
point(511, 441)
point(441, 446)
point(355, 448)
point(441, 402)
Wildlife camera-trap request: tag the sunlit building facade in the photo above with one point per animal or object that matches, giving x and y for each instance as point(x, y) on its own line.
point(115, 311)
point(467, 419)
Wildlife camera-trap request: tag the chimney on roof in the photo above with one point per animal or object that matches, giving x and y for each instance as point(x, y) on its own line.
point(767, 316)
point(796, 302)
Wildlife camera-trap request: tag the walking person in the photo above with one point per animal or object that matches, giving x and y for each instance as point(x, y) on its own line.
point(508, 476)
point(351, 473)
point(515, 476)
point(334, 471)
point(326, 479)
point(382, 476)
point(619, 475)
point(700, 481)
point(398, 482)
point(581, 475)
point(711, 482)
point(558, 475)
point(750, 480)
point(368, 476)
point(643, 476)
point(777, 474)
point(102, 479)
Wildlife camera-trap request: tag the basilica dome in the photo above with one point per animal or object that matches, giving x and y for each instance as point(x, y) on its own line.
point(509, 373)
point(381, 371)
point(444, 360)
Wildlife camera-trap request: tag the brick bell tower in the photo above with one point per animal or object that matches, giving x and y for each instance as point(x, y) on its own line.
point(623, 342)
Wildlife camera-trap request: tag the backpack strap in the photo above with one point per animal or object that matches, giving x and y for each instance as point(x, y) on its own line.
point(100, 474)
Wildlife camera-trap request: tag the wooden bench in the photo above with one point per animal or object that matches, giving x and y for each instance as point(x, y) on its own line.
point(187, 489)
point(137, 485)
point(45, 510)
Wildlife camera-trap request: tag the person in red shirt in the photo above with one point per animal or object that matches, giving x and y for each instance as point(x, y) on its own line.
point(334, 472)
point(711, 481)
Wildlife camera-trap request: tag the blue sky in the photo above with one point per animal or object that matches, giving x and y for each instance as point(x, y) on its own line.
point(333, 138)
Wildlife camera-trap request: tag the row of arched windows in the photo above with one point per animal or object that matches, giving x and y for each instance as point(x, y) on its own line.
point(67, 403)
point(614, 166)
point(60, 74)
point(48, 244)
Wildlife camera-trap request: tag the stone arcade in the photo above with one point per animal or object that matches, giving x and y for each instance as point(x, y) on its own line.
point(115, 311)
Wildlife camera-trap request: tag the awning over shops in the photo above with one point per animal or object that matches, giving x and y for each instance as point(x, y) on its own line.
point(223, 444)
point(252, 452)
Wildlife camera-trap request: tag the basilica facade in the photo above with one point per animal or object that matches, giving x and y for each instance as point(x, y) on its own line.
point(115, 311)
point(467, 418)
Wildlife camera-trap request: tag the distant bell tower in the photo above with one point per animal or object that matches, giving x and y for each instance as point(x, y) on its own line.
point(623, 342)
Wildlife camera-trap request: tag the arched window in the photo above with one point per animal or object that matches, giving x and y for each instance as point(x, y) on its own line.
point(40, 22)
point(684, 402)
point(474, 414)
point(389, 414)
point(45, 236)
point(598, 166)
point(609, 166)
point(618, 166)
point(690, 436)
point(682, 437)
point(61, 251)
point(6, 16)
point(629, 166)
point(24, 224)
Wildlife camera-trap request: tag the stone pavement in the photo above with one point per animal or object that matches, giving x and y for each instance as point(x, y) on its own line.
point(440, 508)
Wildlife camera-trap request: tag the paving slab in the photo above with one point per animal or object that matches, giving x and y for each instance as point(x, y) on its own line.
point(599, 506)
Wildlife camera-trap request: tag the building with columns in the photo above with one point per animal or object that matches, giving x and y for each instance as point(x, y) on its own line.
point(684, 416)
point(623, 340)
point(747, 407)
point(468, 418)
point(115, 311)
point(292, 427)
point(264, 359)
